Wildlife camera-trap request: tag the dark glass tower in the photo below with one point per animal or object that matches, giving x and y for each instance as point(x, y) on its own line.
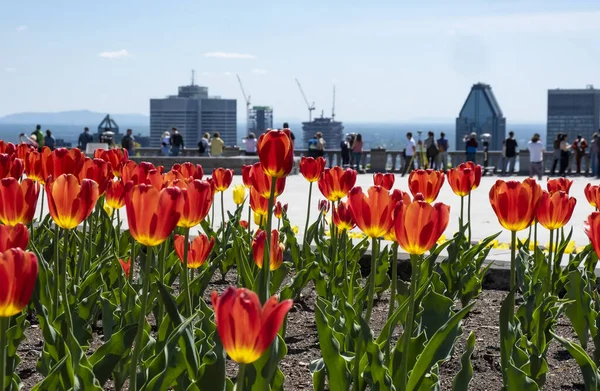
point(481, 114)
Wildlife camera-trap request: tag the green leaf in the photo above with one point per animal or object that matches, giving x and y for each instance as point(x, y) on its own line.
point(432, 352)
point(580, 310)
point(589, 370)
point(107, 356)
point(317, 369)
point(375, 373)
point(464, 376)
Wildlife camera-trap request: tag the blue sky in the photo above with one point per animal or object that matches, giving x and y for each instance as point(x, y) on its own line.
point(390, 60)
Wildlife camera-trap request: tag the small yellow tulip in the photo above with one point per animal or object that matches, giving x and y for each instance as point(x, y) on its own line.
point(239, 194)
point(109, 210)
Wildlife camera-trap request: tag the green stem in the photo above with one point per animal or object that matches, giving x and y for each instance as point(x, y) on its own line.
point(91, 243)
point(357, 357)
point(161, 273)
point(140, 331)
point(56, 271)
point(344, 241)
point(266, 270)
point(305, 233)
point(223, 212)
point(513, 271)
point(408, 327)
point(212, 214)
point(249, 222)
point(185, 273)
point(334, 251)
point(239, 381)
point(462, 218)
point(351, 286)
point(131, 297)
point(550, 250)
point(3, 342)
point(392, 294)
point(65, 298)
point(370, 298)
point(77, 274)
point(469, 217)
point(42, 206)
point(535, 241)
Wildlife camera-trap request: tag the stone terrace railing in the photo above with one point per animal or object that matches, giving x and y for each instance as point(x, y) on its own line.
point(376, 160)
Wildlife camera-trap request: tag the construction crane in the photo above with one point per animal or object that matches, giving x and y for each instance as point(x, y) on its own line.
point(247, 99)
point(309, 106)
point(333, 106)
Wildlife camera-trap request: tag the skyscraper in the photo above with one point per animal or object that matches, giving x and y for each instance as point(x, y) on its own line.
point(193, 112)
point(572, 112)
point(260, 118)
point(481, 114)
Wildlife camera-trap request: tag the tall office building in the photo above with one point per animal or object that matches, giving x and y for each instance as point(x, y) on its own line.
point(193, 112)
point(260, 118)
point(572, 112)
point(481, 114)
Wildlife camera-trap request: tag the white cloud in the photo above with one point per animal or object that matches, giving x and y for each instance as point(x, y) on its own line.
point(116, 54)
point(22, 28)
point(9, 69)
point(234, 56)
point(259, 71)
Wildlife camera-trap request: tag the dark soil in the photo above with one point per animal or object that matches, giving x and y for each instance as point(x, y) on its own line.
point(303, 346)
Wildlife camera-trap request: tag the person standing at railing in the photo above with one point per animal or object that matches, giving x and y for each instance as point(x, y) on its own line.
point(595, 154)
point(536, 157)
point(565, 154)
point(579, 146)
point(357, 151)
point(409, 153)
point(345, 150)
point(442, 157)
point(250, 143)
point(556, 154)
point(128, 142)
point(471, 145)
point(431, 150)
point(204, 145)
point(165, 144)
point(176, 142)
point(510, 152)
point(216, 145)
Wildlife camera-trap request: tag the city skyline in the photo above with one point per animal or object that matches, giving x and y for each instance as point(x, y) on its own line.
point(385, 59)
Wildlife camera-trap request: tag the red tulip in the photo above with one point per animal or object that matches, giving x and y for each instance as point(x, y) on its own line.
point(276, 152)
point(246, 172)
point(555, 210)
point(115, 194)
point(198, 250)
point(427, 182)
point(342, 217)
point(156, 179)
point(97, 170)
point(70, 202)
point(174, 175)
point(559, 184)
point(515, 203)
point(23, 150)
point(476, 168)
point(221, 178)
point(261, 182)
point(198, 198)
point(592, 229)
point(63, 161)
point(8, 148)
point(324, 206)
point(189, 170)
point(311, 168)
point(591, 194)
point(10, 166)
point(384, 180)
point(244, 224)
point(13, 237)
point(138, 173)
point(279, 208)
point(152, 214)
point(18, 200)
point(34, 165)
point(335, 183)
point(373, 211)
point(126, 265)
point(258, 203)
point(117, 157)
point(418, 225)
point(18, 274)
point(276, 253)
point(461, 179)
point(247, 329)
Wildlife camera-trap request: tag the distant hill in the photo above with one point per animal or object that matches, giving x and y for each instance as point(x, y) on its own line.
point(76, 117)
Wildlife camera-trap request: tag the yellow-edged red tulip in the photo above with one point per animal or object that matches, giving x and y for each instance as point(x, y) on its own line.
point(311, 168)
point(34, 165)
point(515, 203)
point(384, 180)
point(173, 175)
point(476, 168)
point(115, 194)
point(427, 182)
point(18, 274)
point(342, 217)
point(418, 225)
point(10, 166)
point(13, 237)
point(258, 203)
point(372, 212)
point(126, 266)
point(276, 152)
point(258, 249)
point(324, 206)
point(152, 214)
point(189, 171)
point(18, 200)
point(559, 184)
point(221, 178)
point(239, 194)
point(198, 198)
point(262, 182)
point(246, 328)
point(23, 150)
point(555, 210)
point(117, 157)
point(335, 183)
point(246, 172)
point(198, 250)
point(63, 161)
point(399, 195)
point(8, 148)
point(97, 170)
point(69, 201)
point(141, 173)
point(279, 208)
point(591, 194)
point(592, 230)
point(461, 179)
